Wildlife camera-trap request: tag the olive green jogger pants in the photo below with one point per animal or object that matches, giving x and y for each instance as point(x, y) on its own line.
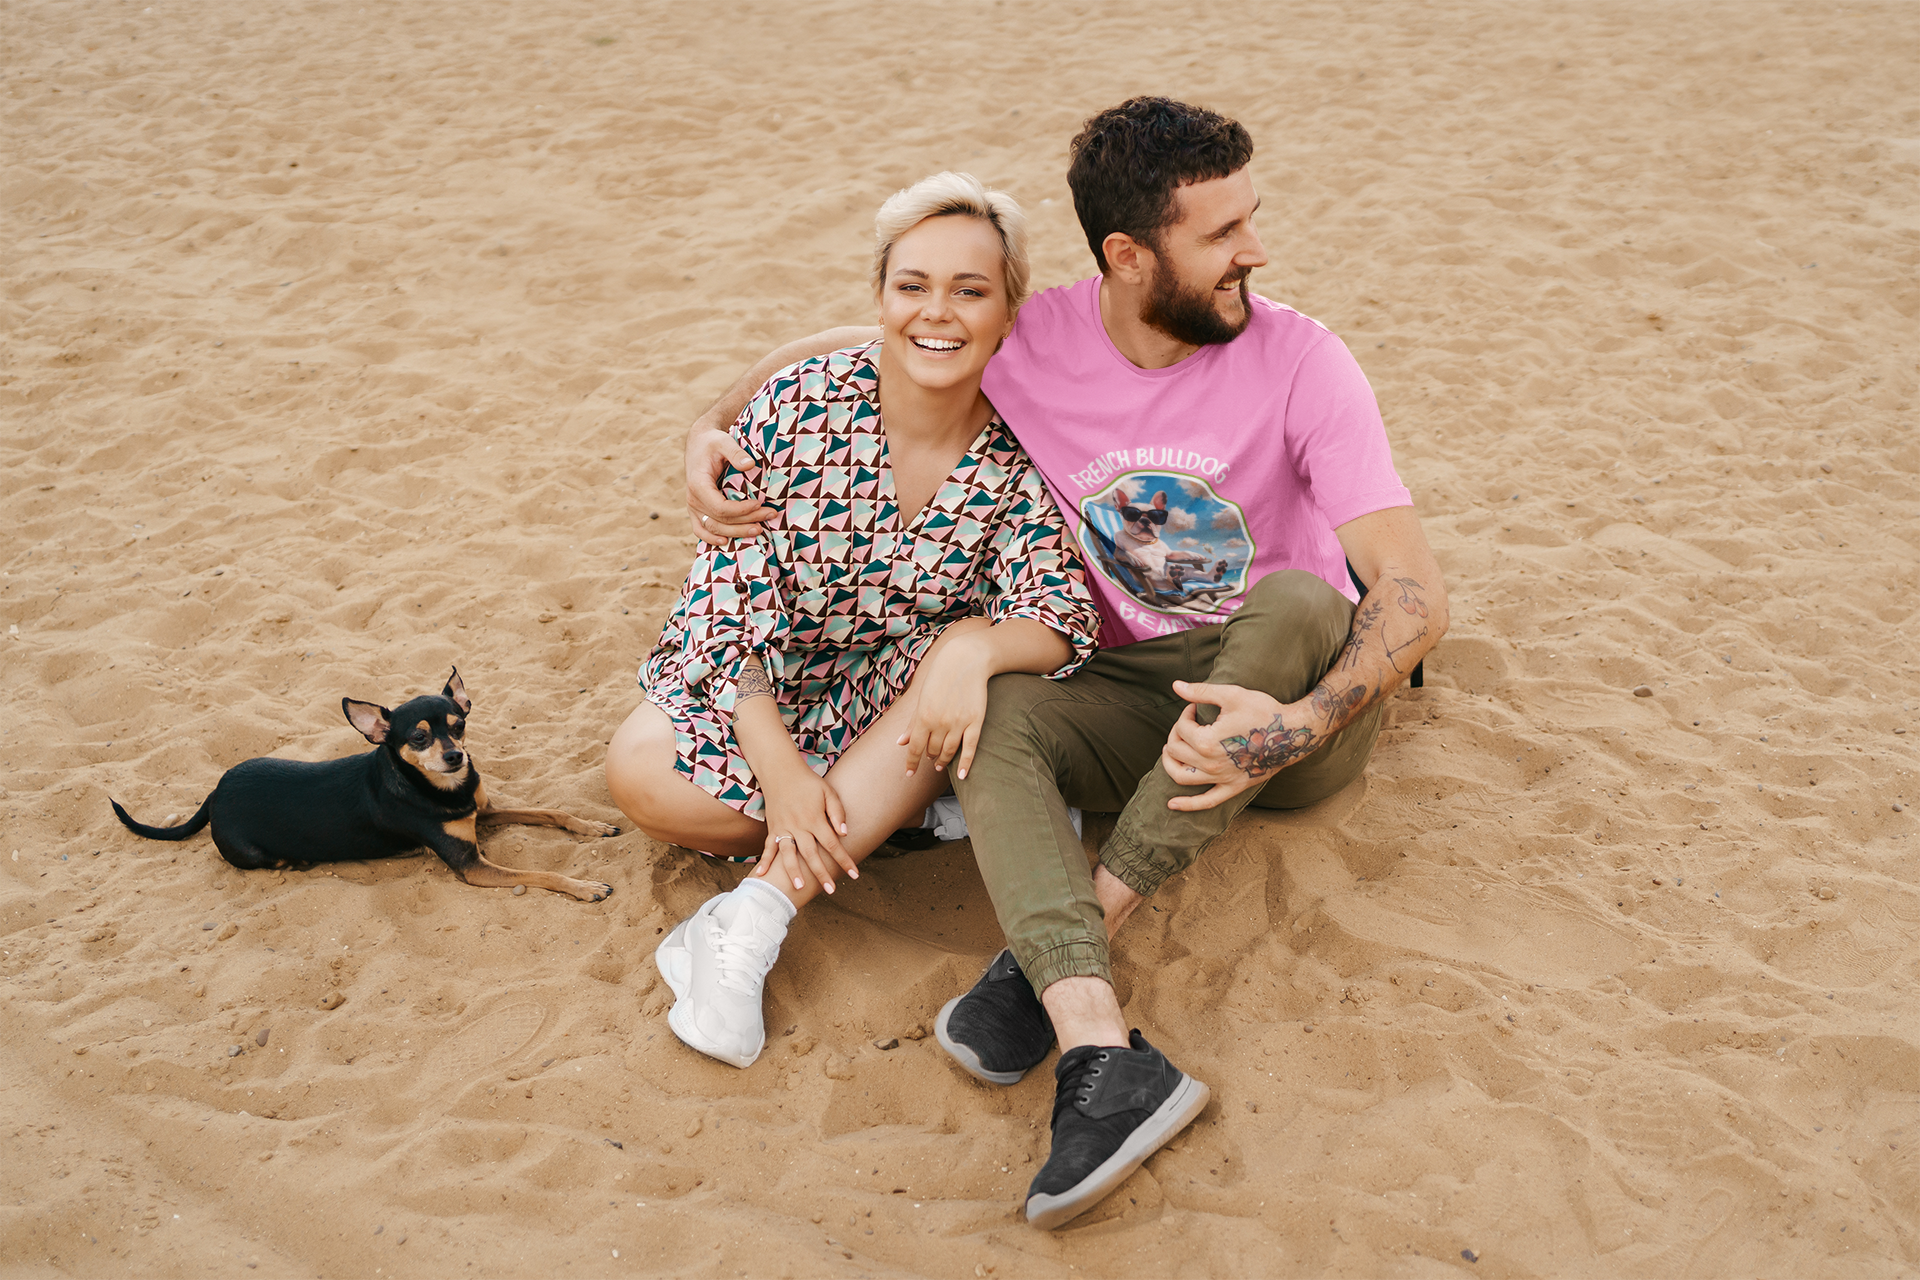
point(1093, 740)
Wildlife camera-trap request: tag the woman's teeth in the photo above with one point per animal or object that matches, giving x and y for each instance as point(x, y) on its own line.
point(937, 344)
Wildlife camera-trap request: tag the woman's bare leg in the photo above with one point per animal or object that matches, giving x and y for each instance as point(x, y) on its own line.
point(649, 790)
point(871, 779)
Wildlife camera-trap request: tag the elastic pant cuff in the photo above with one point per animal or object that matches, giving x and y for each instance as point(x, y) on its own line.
point(1133, 866)
point(1082, 959)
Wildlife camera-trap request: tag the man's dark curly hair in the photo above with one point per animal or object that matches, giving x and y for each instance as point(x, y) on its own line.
point(1128, 161)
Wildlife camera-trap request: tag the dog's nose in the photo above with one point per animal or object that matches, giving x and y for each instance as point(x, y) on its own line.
point(453, 759)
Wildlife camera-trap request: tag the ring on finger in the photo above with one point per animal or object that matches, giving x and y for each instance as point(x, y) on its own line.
point(778, 839)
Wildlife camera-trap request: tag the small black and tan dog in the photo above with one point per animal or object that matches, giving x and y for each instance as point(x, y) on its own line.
point(417, 788)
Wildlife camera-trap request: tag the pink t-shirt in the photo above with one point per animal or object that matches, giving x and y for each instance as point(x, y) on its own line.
point(1184, 486)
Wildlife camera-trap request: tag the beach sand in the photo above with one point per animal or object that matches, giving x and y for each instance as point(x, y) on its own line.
point(347, 342)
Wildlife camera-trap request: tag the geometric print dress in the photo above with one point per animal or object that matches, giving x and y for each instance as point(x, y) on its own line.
point(837, 598)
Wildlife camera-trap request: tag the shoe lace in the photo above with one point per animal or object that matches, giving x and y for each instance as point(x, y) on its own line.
point(1078, 1084)
point(741, 960)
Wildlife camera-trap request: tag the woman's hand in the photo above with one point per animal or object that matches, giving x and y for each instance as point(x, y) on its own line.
point(805, 821)
point(950, 699)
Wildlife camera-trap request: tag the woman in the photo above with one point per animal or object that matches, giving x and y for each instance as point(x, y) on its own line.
point(806, 676)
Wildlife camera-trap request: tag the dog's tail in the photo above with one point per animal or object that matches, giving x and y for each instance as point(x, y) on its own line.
point(188, 828)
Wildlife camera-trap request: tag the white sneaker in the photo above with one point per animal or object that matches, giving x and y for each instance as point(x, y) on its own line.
point(716, 962)
point(949, 823)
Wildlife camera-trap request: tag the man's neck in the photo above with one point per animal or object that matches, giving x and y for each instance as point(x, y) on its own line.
point(1143, 345)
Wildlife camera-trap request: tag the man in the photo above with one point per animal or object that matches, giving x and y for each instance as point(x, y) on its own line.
point(1222, 460)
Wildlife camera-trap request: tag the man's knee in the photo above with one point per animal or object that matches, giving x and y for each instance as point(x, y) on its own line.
point(1286, 635)
point(1013, 701)
point(1302, 603)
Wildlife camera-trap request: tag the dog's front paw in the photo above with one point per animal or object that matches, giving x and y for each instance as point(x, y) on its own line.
point(592, 890)
point(601, 829)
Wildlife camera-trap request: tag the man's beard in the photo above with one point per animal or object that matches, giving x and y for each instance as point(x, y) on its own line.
point(1188, 315)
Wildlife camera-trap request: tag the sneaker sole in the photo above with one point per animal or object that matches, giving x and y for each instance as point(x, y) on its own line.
point(675, 961)
point(1187, 1100)
point(966, 1057)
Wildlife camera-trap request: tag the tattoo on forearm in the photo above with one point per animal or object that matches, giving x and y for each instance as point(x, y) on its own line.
point(1363, 624)
point(753, 683)
point(1410, 601)
point(1368, 620)
point(1337, 708)
point(1265, 750)
point(1394, 651)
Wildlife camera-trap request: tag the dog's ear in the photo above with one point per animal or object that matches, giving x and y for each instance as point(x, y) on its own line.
point(457, 692)
point(372, 721)
point(1160, 499)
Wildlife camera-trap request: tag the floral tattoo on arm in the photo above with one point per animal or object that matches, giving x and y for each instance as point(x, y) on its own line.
point(1265, 750)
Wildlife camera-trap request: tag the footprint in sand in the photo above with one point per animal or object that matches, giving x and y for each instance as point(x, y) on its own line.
point(1834, 958)
point(486, 1042)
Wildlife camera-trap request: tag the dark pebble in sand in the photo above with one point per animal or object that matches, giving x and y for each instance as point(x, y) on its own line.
point(1470, 1255)
point(260, 1037)
point(883, 1045)
point(206, 926)
point(1643, 691)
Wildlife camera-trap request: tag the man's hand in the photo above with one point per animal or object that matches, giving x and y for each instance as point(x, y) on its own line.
point(1253, 738)
point(716, 518)
point(710, 448)
point(950, 700)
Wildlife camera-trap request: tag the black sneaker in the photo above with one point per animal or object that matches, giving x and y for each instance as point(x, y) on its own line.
point(1112, 1108)
point(998, 1029)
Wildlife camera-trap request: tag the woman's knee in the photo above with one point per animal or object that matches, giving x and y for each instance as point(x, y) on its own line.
point(640, 759)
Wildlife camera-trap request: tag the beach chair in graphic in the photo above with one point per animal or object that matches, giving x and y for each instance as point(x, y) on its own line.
point(1104, 524)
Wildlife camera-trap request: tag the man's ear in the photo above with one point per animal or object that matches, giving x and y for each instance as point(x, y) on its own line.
point(457, 692)
point(372, 721)
point(1128, 260)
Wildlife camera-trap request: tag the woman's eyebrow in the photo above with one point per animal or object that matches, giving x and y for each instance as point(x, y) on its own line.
point(918, 274)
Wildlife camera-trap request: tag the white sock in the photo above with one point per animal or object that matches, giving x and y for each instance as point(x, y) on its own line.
point(761, 894)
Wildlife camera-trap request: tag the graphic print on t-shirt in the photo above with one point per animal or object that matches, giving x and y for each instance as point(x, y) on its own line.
point(1167, 541)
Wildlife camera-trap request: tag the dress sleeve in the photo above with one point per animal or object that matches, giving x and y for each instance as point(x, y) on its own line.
point(734, 605)
point(1034, 570)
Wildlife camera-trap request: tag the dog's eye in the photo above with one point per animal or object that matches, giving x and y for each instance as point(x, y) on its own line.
point(420, 739)
point(457, 729)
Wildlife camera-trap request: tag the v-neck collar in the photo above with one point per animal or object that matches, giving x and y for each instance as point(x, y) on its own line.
point(889, 493)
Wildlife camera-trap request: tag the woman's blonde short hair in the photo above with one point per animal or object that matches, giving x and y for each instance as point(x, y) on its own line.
point(946, 194)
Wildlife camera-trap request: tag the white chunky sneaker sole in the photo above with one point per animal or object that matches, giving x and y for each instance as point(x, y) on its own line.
point(1188, 1099)
point(675, 962)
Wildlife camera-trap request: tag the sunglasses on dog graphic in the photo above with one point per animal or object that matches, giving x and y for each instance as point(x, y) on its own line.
point(1157, 515)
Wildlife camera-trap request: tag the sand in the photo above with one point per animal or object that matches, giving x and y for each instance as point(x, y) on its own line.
point(348, 342)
